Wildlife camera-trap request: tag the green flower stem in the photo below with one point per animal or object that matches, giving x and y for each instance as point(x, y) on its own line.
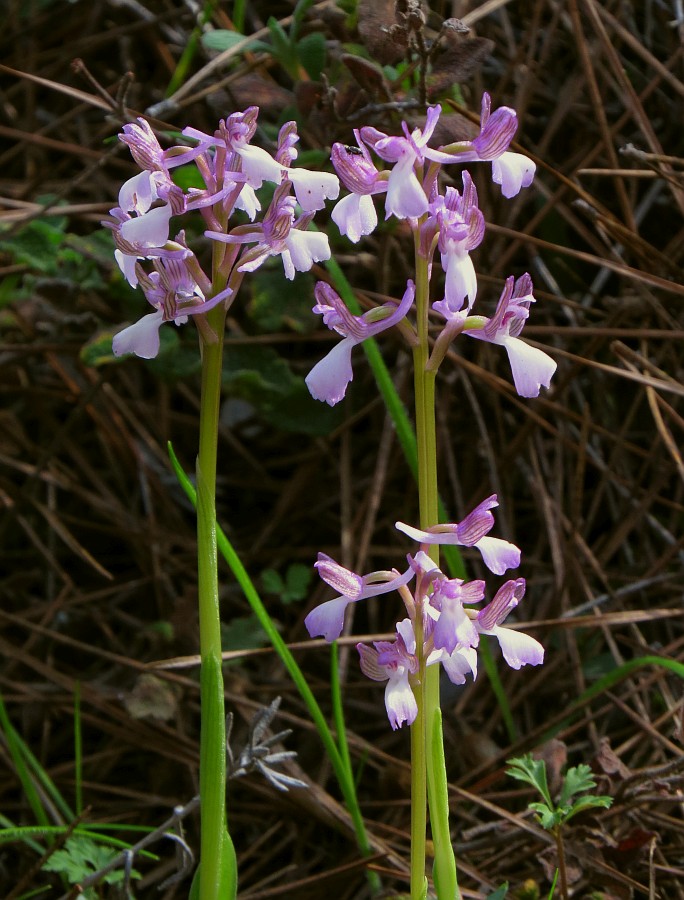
point(418, 778)
point(217, 877)
point(343, 773)
point(432, 742)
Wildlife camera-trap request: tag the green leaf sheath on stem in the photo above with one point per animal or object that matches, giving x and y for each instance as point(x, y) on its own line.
point(446, 881)
point(217, 862)
point(343, 774)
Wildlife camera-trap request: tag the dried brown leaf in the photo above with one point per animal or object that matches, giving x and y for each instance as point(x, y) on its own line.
point(463, 59)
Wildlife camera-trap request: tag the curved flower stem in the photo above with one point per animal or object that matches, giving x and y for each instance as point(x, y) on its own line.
point(218, 876)
point(431, 760)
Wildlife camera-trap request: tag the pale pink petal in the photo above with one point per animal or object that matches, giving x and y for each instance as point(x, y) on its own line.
point(306, 248)
point(460, 664)
point(329, 378)
point(518, 649)
point(148, 230)
point(312, 189)
point(355, 216)
point(512, 171)
point(399, 700)
point(498, 555)
point(531, 367)
point(405, 195)
point(460, 279)
point(127, 265)
point(327, 619)
point(141, 338)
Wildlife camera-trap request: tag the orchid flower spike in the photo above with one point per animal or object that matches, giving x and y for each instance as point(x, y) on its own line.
point(329, 378)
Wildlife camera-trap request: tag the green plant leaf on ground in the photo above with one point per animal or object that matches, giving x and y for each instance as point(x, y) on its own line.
point(264, 379)
point(295, 586)
point(81, 857)
point(243, 633)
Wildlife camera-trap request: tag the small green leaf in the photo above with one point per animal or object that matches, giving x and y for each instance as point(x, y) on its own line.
point(81, 857)
point(298, 578)
point(577, 779)
point(311, 51)
point(533, 772)
point(548, 818)
point(223, 39)
point(590, 802)
point(272, 582)
point(243, 633)
point(282, 48)
point(499, 893)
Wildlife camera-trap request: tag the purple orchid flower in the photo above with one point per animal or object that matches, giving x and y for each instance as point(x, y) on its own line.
point(406, 198)
point(518, 649)
point(393, 662)
point(498, 555)
point(530, 366)
point(329, 378)
point(174, 294)
point(311, 188)
point(355, 214)
point(453, 629)
point(512, 171)
point(280, 234)
point(461, 227)
point(327, 620)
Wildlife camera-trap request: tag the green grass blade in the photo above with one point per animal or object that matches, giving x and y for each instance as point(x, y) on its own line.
point(17, 750)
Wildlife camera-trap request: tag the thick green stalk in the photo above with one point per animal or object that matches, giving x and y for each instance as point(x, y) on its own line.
point(217, 859)
point(432, 760)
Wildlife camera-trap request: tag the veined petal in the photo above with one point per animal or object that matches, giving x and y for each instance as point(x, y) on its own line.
point(368, 660)
point(329, 378)
point(518, 649)
point(531, 367)
point(327, 619)
point(340, 579)
point(141, 338)
point(512, 171)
